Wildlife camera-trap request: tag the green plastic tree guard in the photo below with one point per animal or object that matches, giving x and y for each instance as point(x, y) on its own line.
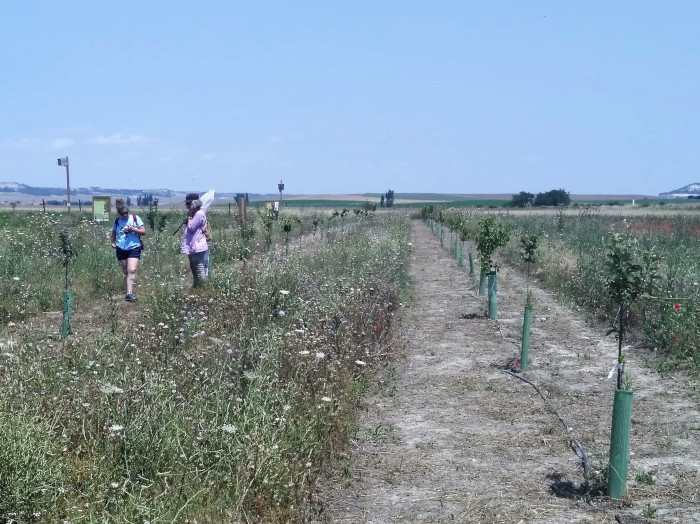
point(493, 296)
point(619, 443)
point(67, 313)
point(482, 283)
point(471, 264)
point(460, 262)
point(525, 347)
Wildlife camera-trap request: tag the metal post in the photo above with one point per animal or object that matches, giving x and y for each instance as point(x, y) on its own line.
point(68, 184)
point(64, 162)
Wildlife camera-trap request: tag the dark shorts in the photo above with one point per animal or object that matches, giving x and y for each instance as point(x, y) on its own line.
point(123, 254)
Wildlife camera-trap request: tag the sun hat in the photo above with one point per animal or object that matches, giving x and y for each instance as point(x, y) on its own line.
point(191, 197)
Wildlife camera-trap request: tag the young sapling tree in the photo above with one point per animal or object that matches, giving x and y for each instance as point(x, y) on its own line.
point(267, 221)
point(490, 236)
point(631, 273)
point(288, 222)
point(66, 253)
point(156, 221)
point(247, 233)
point(528, 252)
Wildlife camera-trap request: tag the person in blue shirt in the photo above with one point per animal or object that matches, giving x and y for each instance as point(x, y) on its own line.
point(126, 239)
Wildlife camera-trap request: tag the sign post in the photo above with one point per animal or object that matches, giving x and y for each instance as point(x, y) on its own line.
point(101, 207)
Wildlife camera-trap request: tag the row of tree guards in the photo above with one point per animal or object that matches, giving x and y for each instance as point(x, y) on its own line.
point(631, 273)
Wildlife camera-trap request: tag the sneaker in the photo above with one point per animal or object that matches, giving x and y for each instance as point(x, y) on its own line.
point(130, 297)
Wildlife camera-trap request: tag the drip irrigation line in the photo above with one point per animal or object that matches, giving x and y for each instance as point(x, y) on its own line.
point(575, 445)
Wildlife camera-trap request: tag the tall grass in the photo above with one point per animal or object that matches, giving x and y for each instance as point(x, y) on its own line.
point(224, 404)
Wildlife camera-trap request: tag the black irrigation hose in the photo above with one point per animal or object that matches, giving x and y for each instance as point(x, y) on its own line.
point(576, 446)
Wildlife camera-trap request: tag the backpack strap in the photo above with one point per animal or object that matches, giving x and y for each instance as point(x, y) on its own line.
point(133, 217)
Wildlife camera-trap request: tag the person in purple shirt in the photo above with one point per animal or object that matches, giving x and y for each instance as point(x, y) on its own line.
point(194, 242)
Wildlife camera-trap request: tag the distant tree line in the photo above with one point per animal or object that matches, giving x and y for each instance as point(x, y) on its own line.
point(555, 197)
point(145, 200)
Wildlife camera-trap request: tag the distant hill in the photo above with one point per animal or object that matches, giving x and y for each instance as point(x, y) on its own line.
point(15, 187)
point(689, 191)
point(24, 194)
point(15, 192)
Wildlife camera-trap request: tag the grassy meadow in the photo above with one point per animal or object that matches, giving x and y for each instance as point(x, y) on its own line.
point(231, 403)
point(220, 404)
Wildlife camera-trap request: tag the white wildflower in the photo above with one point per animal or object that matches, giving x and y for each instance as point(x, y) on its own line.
point(284, 292)
point(228, 428)
point(115, 428)
point(320, 355)
point(360, 362)
point(109, 389)
point(326, 399)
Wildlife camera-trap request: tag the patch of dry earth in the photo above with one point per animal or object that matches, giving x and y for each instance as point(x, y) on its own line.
point(456, 439)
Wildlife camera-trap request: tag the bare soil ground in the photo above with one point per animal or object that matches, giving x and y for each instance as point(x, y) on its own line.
point(451, 437)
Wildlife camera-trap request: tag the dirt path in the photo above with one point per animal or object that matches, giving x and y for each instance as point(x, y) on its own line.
point(451, 437)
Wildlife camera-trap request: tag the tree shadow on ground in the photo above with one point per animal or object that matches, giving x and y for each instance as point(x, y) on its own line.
point(570, 490)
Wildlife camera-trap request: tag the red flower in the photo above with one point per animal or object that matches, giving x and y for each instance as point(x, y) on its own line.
point(675, 339)
point(378, 326)
point(320, 332)
point(676, 306)
point(517, 364)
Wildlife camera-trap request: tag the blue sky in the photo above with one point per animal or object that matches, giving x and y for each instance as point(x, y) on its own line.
point(352, 97)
